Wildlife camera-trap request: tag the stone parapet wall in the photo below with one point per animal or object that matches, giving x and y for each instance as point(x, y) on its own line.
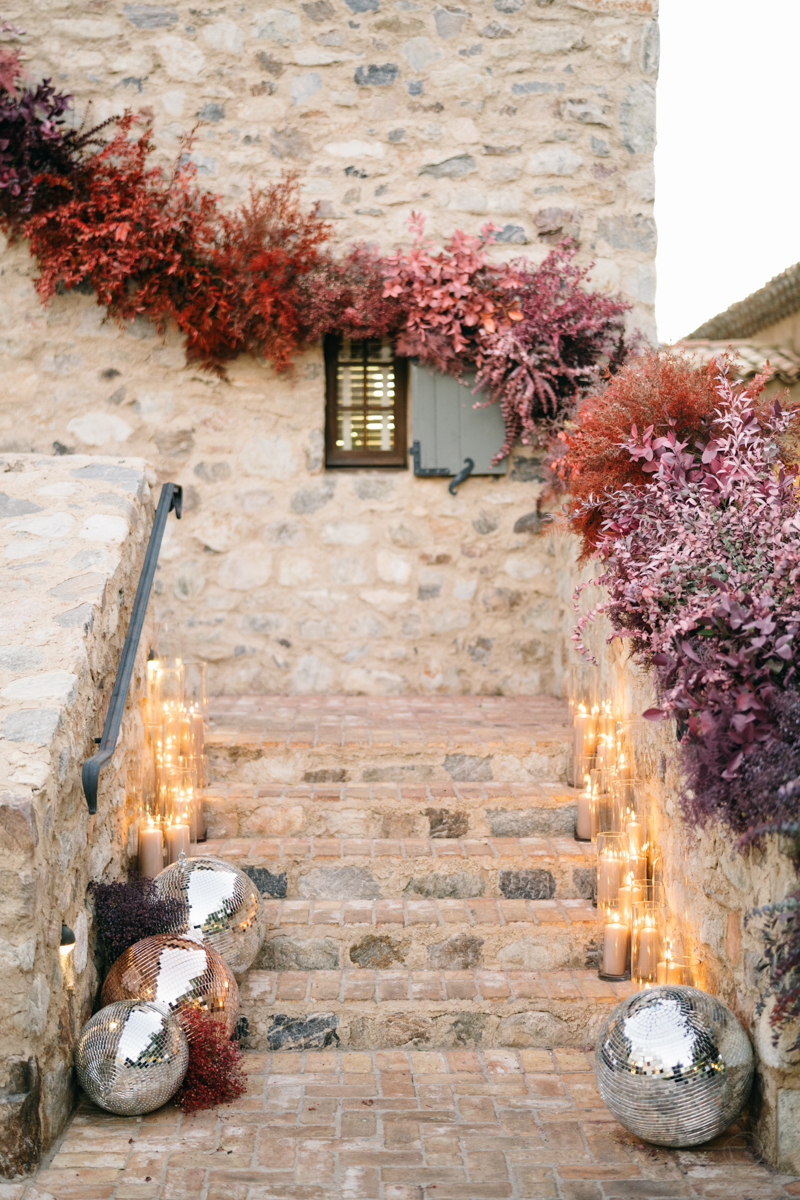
point(287, 577)
point(72, 538)
point(710, 888)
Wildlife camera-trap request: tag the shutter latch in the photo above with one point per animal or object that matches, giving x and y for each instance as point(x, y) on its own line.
point(416, 454)
point(465, 471)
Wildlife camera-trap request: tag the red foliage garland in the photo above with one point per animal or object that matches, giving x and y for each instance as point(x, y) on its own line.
point(214, 1075)
point(152, 243)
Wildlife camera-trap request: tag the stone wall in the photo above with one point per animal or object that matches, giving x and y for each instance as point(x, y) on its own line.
point(710, 888)
point(72, 538)
point(538, 114)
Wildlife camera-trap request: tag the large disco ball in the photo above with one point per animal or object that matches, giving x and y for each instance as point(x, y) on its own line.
point(131, 1057)
point(222, 907)
point(178, 972)
point(673, 1065)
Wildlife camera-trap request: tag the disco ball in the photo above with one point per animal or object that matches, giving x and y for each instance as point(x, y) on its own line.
point(222, 908)
point(177, 972)
point(673, 1065)
point(131, 1057)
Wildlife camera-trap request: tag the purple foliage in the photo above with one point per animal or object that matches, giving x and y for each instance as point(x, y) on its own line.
point(702, 567)
point(37, 152)
point(127, 912)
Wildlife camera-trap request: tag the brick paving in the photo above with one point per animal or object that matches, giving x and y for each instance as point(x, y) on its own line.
point(402, 911)
point(395, 1125)
point(402, 722)
point(379, 986)
point(248, 849)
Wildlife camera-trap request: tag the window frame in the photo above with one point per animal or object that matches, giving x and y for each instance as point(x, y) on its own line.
point(334, 456)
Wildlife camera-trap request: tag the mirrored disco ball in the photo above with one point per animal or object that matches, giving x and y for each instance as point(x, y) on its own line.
point(177, 972)
point(223, 907)
point(131, 1057)
point(673, 1065)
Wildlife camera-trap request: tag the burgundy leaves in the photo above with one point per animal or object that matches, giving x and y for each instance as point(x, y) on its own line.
point(701, 561)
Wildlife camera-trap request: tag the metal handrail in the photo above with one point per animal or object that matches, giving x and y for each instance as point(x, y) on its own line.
point(171, 498)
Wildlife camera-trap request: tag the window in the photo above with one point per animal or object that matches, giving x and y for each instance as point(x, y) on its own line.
point(366, 404)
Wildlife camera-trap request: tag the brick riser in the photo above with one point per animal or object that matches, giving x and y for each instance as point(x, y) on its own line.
point(438, 1009)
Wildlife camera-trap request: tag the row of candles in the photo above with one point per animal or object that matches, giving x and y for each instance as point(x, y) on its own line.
point(612, 813)
point(174, 765)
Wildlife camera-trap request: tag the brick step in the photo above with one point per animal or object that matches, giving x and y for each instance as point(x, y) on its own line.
point(382, 1009)
point(363, 739)
point(425, 934)
point(386, 810)
point(442, 868)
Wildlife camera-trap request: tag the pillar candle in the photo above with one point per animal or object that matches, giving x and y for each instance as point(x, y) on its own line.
point(629, 894)
point(633, 829)
point(669, 972)
point(638, 866)
point(615, 948)
point(177, 841)
point(585, 725)
point(645, 965)
point(151, 850)
point(584, 826)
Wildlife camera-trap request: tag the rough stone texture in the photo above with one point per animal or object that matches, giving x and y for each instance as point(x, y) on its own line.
point(458, 886)
point(529, 883)
point(339, 883)
point(71, 529)
point(468, 113)
point(533, 822)
point(267, 882)
point(299, 954)
point(378, 951)
point(459, 953)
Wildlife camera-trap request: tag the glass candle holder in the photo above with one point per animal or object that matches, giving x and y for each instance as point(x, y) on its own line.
point(606, 745)
point(181, 814)
point(647, 945)
point(583, 687)
point(168, 690)
point(631, 892)
point(195, 689)
point(616, 945)
point(608, 817)
point(612, 869)
point(151, 846)
point(583, 742)
point(673, 968)
point(628, 793)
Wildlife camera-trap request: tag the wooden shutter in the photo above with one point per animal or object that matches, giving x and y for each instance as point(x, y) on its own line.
point(449, 428)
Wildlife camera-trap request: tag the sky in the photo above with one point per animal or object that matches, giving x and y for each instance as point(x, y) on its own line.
point(727, 163)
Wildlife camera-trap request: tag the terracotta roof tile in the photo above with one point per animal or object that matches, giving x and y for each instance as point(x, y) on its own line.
point(775, 300)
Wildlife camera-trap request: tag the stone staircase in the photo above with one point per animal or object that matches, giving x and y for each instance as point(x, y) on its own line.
point(419, 869)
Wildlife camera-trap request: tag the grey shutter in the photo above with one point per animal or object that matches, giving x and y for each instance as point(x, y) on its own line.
point(449, 428)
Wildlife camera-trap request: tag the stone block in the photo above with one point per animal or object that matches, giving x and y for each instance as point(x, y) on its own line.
point(339, 883)
point(445, 823)
point(462, 952)
point(268, 883)
point(378, 951)
point(315, 1032)
point(461, 885)
point(788, 1118)
point(468, 768)
point(299, 954)
point(527, 883)
point(533, 822)
point(20, 1119)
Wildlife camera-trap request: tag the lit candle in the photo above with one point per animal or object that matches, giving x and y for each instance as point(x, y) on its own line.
point(584, 825)
point(585, 727)
point(151, 849)
point(177, 841)
point(606, 743)
point(639, 866)
point(615, 948)
point(629, 894)
point(646, 953)
point(669, 971)
point(633, 829)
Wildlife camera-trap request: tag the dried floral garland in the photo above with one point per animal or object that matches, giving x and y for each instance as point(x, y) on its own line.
point(126, 912)
point(214, 1074)
point(263, 280)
